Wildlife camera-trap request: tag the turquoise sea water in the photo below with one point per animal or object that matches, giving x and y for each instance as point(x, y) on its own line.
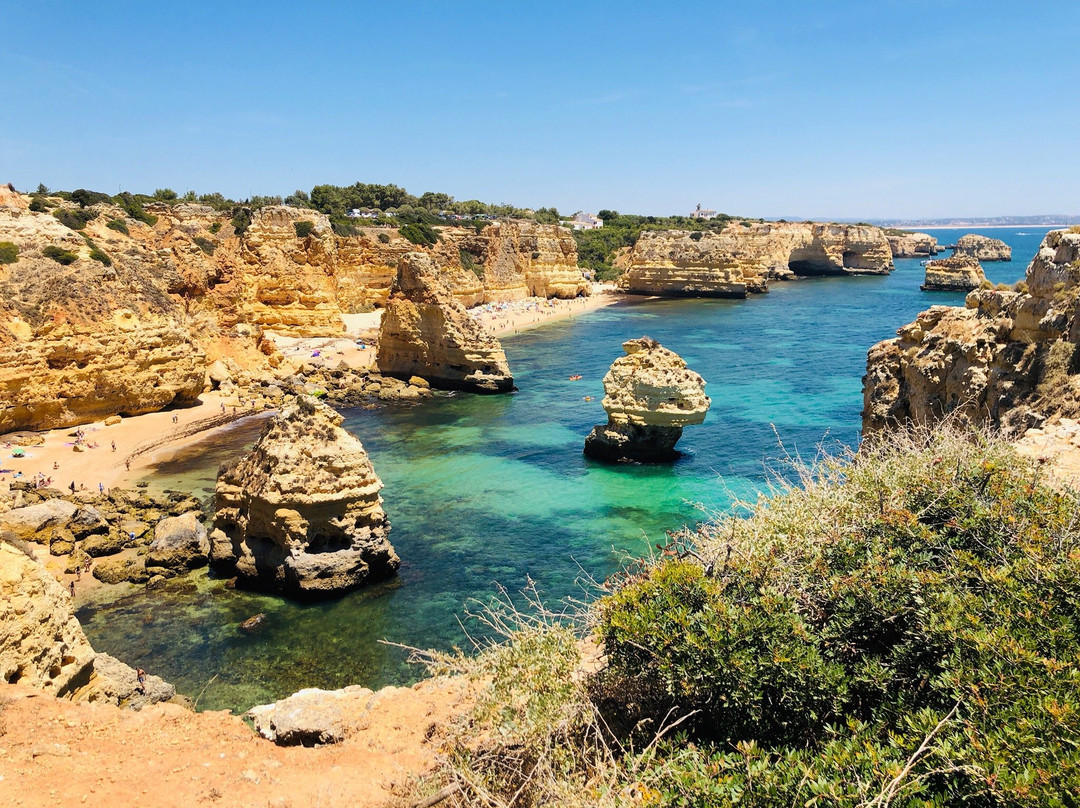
point(485, 491)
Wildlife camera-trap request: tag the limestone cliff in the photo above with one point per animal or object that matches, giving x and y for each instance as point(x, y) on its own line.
point(425, 332)
point(744, 256)
point(521, 259)
point(301, 514)
point(42, 644)
point(83, 340)
point(649, 396)
point(911, 245)
point(959, 273)
point(983, 248)
point(1007, 359)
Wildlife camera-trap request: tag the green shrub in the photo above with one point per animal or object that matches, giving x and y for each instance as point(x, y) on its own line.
point(215, 227)
point(419, 233)
point(84, 198)
point(384, 238)
point(120, 226)
point(241, 220)
point(205, 244)
point(75, 219)
point(304, 228)
point(100, 256)
point(59, 254)
point(9, 252)
point(134, 209)
point(343, 227)
point(696, 235)
point(469, 262)
point(39, 205)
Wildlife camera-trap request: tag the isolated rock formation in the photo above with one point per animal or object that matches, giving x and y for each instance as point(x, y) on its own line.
point(911, 245)
point(649, 396)
point(1007, 359)
point(426, 333)
point(301, 514)
point(983, 248)
point(958, 273)
point(744, 256)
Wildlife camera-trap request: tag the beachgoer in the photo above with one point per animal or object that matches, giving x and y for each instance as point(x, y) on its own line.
point(140, 674)
point(114, 446)
point(56, 466)
point(223, 406)
point(86, 564)
point(127, 463)
point(101, 488)
point(71, 588)
point(175, 418)
point(72, 486)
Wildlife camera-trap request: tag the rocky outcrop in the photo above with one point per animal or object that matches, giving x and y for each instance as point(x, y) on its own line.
point(649, 396)
point(301, 514)
point(959, 273)
point(425, 332)
point(983, 248)
point(1007, 359)
point(42, 644)
point(180, 543)
point(519, 259)
point(911, 245)
point(744, 256)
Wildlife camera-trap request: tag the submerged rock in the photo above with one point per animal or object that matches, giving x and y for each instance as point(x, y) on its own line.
point(427, 333)
point(301, 514)
point(649, 396)
point(960, 273)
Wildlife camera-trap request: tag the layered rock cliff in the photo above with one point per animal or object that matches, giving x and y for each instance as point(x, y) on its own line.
point(1007, 359)
point(301, 514)
point(425, 332)
point(911, 245)
point(126, 316)
point(959, 273)
point(744, 256)
point(983, 248)
point(649, 396)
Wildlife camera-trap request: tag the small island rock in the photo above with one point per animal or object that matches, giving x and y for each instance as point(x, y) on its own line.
point(649, 396)
point(958, 273)
point(301, 514)
point(983, 248)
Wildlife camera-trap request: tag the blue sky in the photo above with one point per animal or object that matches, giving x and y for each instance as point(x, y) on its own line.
point(811, 109)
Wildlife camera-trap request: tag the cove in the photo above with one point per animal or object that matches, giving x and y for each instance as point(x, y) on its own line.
point(484, 491)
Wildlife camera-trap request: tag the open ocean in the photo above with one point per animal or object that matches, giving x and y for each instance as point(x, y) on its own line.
point(489, 491)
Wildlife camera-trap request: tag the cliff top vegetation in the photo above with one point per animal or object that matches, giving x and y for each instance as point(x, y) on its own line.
point(898, 627)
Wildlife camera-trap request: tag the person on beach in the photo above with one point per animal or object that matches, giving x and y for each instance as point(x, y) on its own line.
point(71, 588)
point(140, 674)
point(101, 488)
point(72, 486)
point(127, 463)
point(114, 446)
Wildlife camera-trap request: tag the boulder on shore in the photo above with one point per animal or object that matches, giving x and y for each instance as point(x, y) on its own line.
point(425, 332)
point(301, 514)
point(649, 396)
point(180, 543)
point(958, 273)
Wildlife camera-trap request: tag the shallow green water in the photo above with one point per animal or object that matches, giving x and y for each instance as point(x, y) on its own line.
point(488, 491)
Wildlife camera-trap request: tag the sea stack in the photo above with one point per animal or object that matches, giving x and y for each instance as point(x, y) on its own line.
point(427, 333)
point(301, 514)
point(958, 273)
point(649, 396)
point(983, 248)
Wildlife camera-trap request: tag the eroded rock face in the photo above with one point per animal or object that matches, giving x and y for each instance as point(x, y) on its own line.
point(649, 396)
point(521, 258)
point(983, 248)
point(912, 245)
point(425, 332)
point(743, 257)
point(960, 273)
point(301, 514)
point(1006, 359)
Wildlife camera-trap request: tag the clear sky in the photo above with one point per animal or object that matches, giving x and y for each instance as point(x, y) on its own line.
point(787, 108)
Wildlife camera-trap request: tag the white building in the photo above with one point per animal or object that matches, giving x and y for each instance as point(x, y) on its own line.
point(703, 213)
point(586, 221)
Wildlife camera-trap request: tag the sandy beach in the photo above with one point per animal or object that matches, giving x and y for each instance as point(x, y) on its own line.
point(143, 440)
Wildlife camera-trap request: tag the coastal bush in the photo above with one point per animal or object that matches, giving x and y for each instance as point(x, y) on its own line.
point(384, 238)
point(59, 254)
point(1021, 287)
point(74, 219)
point(696, 235)
point(215, 227)
point(119, 225)
point(205, 244)
point(469, 262)
point(133, 208)
point(84, 198)
point(241, 220)
point(39, 205)
point(9, 252)
point(420, 233)
point(898, 627)
point(344, 227)
point(99, 255)
point(304, 228)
